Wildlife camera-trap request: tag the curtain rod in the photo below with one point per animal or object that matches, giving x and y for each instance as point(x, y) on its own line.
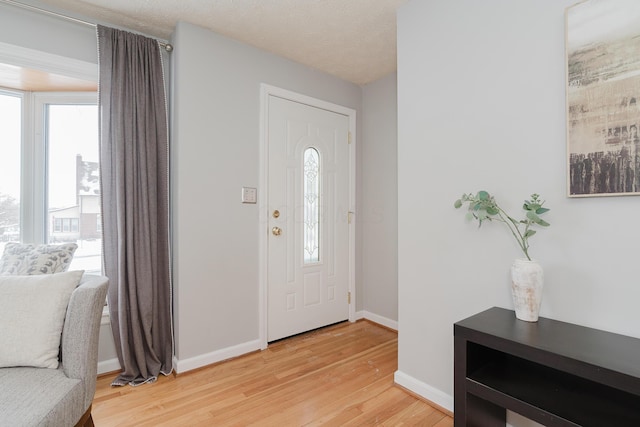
point(166, 46)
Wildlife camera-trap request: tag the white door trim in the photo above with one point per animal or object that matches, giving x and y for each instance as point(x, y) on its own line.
point(263, 196)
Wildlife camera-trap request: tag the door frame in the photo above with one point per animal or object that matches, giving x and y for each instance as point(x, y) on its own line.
point(263, 197)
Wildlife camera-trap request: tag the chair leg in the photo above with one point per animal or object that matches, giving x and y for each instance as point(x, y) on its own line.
point(86, 420)
point(89, 422)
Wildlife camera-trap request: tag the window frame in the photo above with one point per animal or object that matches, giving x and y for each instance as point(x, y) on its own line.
point(33, 186)
point(33, 213)
point(24, 128)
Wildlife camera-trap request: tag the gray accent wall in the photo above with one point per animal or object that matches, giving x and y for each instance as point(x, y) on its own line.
point(216, 146)
point(481, 105)
point(379, 213)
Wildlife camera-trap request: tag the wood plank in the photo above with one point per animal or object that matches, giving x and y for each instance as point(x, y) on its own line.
point(336, 376)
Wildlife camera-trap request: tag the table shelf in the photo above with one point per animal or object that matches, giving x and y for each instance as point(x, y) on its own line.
point(533, 370)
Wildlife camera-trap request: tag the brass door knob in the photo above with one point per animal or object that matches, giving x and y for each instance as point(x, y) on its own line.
point(276, 231)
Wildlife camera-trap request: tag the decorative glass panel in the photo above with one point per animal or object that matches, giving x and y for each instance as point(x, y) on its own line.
point(311, 201)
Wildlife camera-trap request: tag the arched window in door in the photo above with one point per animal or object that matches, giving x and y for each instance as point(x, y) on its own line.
point(311, 200)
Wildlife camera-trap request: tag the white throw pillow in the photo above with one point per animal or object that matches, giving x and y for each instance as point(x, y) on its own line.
point(27, 258)
point(32, 312)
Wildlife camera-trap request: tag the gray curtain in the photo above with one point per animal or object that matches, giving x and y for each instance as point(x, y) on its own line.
point(135, 205)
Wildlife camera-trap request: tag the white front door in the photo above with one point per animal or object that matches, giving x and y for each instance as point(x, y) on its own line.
point(308, 226)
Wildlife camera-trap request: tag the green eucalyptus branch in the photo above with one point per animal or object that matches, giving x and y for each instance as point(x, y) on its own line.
point(483, 207)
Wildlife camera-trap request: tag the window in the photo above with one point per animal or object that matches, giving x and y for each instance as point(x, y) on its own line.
point(73, 179)
point(11, 106)
point(65, 225)
point(311, 200)
point(59, 169)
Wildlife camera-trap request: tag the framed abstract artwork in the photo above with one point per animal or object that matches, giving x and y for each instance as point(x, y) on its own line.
point(603, 98)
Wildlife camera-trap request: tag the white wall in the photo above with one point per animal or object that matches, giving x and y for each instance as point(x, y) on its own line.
point(107, 356)
point(379, 212)
point(481, 105)
point(215, 151)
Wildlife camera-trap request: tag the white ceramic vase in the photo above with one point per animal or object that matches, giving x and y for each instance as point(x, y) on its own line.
point(527, 279)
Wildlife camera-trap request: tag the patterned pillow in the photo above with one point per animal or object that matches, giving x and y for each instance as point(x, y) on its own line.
point(28, 259)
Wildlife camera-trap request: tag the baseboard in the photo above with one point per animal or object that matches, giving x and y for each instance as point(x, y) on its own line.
point(359, 315)
point(380, 320)
point(110, 365)
point(427, 392)
point(185, 365)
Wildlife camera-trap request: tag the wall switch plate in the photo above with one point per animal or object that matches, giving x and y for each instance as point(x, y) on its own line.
point(249, 195)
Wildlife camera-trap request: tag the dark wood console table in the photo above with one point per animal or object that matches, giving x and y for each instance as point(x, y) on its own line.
point(552, 372)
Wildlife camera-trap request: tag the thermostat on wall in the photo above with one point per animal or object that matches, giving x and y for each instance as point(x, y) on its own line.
point(249, 195)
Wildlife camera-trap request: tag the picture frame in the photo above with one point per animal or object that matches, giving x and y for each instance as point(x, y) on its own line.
point(603, 98)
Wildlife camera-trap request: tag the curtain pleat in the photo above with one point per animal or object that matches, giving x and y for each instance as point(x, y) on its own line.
point(134, 179)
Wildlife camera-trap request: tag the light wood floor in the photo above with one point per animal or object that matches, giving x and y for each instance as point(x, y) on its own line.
point(341, 375)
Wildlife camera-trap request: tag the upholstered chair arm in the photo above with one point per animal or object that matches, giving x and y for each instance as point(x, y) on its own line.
point(79, 346)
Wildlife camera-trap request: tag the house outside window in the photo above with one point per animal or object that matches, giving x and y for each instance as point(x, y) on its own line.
point(65, 225)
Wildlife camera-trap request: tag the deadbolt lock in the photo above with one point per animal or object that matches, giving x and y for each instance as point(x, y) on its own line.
point(276, 213)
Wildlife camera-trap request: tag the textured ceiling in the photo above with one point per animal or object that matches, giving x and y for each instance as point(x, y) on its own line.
point(351, 39)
